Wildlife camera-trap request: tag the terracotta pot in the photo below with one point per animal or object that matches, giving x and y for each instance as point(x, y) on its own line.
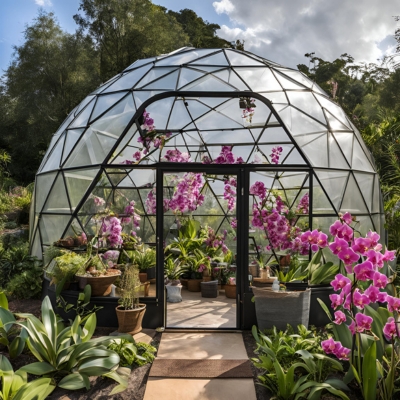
point(264, 274)
point(230, 291)
point(101, 285)
point(67, 242)
point(79, 241)
point(284, 261)
point(130, 321)
point(193, 285)
point(143, 277)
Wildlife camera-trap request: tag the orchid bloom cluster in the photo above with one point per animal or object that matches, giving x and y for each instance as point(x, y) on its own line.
point(216, 242)
point(304, 204)
point(275, 154)
point(110, 257)
point(111, 231)
point(176, 156)
point(230, 192)
point(187, 195)
point(132, 215)
point(272, 215)
point(226, 156)
point(248, 112)
point(363, 259)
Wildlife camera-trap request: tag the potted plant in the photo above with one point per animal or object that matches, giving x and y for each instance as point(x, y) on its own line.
point(130, 312)
point(230, 288)
point(62, 269)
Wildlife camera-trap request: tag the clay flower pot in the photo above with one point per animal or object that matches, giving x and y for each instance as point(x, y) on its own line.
point(130, 321)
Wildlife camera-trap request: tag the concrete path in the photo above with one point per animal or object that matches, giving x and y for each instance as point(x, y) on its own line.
point(201, 346)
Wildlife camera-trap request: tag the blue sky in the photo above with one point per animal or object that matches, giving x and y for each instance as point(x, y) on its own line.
point(282, 31)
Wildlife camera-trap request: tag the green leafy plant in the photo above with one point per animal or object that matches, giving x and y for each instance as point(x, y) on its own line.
point(319, 273)
point(15, 386)
point(27, 284)
point(172, 269)
point(69, 353)
point(132, 353)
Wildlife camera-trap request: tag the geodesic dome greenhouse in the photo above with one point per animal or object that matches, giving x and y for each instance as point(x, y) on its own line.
point(179, 113)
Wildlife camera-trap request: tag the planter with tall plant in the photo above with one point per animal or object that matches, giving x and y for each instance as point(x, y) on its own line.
point(130, 312)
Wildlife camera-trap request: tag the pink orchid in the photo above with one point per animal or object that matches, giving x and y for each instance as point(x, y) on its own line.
point(339, 317)
point(375, 257)
point(363, 322)
point(345, 232)
point(333, 230)
point(342, 353)
point(364, 271)
point(361, 245)
point(389, 330)
point(373, 293)
point(389, 255)
point(348, 256)
point(352, 327)
point(338, 245)
point(393, 303)
point(360, 300)
point(380, 280)
point(336, 299)
point(347, 301)
point(374, 237)
point(340, 282)
point(347, 218)
point(328, 346)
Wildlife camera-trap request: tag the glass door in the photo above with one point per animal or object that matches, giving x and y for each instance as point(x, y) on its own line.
point(200, 250)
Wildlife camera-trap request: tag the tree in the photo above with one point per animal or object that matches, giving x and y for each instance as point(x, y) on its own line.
point(126, 30)
point(202, 34)
point(48, 76)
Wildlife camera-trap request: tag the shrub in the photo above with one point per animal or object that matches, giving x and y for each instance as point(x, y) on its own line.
point(27, 284)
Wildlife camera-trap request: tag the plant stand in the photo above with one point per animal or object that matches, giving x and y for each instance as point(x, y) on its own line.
point(174, 293)
point(230, 291)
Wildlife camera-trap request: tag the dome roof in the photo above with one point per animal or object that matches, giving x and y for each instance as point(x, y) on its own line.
point(192, 95)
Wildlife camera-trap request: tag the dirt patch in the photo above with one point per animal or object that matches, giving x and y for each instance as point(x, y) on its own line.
point(30, 306)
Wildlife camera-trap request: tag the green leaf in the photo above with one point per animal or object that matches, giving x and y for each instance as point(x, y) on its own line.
point(49, 320)
point(369, 383)
point(38, 389)
point(3, 301)
point(73, 381)
point(90, 326)
point(38, 368)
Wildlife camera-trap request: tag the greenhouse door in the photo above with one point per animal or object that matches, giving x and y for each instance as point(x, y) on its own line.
point(200, 249)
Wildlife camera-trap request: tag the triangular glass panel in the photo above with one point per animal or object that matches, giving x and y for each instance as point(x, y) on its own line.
point(122, 153)
point(335, 124)
point(83, 104)
point(208, 84)
point(82, 119)
point(360, 160)
point(154, 74)
point(185, 57)
point(188, 75)
point(160, 111)
point(366, 185)
point(116, 176)
point(320, 202)
point(213, 119)
point(203, 68)
point(226, 138)
point(316, 151)
point(115, 120)
point(365, 224)
point(243, 151)
point(306, 102)
point(99, 199)
point(74, 228)
point(166, 83)
point(44, 182)
point(267, 177)
point(105, 102)
point(334, 109)
point(179, 116)
point(299, 122)
point(334, 183)
point(230, 77)
point(336, 157)
point(345, 141)
point(107, 84)
point(353, 201)
point(143, 95)
point(261, 113)
point(376, 199)
point(53, 161)
point(379, 226)
point(52, 227)
point(57, 201)
point(78, 181)
point(66, 122)
point(266, 149)
point(259, 79)
point(139, 63)
point(302, 140)
point(297, 76)
point(288, 84)
point(232, 110)
point(216, 59)
point(256, 133)
point(258, 157)
point(143, 177)
point(236, 58)
point(196, 108)
point(129, 80)
point(73, 136)
point(294, 157)
point(276, 97)
point(273, 120)
point(213, 102)
point(36, 249)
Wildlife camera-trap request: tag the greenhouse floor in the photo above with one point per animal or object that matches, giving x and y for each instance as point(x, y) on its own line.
point(195, 311)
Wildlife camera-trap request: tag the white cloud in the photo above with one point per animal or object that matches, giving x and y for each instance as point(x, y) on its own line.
point(283, 31)
point(44, 3)
point(223, 6)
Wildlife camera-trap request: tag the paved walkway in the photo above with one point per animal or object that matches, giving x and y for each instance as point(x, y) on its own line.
point(201, 346)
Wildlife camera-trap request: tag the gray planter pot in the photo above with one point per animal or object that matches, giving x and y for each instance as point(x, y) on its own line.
point(281, 308)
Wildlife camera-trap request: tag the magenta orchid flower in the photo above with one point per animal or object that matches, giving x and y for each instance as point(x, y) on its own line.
point(361, 245)
point(345, 232)
point(336, 299)
point(389, 330)
point(363, 322)
point(393, 303)
point(364, 271)
point(360, 300)
point(338, 245)
point(389, 255)
point(340, 317)
point(348, 256)
point(340, 282)
point(347, 218)
point(380, 280)
point(328, 346)
point(352, 327)
point(333, 229)
point(375, 257)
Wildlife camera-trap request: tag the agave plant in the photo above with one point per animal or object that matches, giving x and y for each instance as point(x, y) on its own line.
point(15, 386)
point(69, 352)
